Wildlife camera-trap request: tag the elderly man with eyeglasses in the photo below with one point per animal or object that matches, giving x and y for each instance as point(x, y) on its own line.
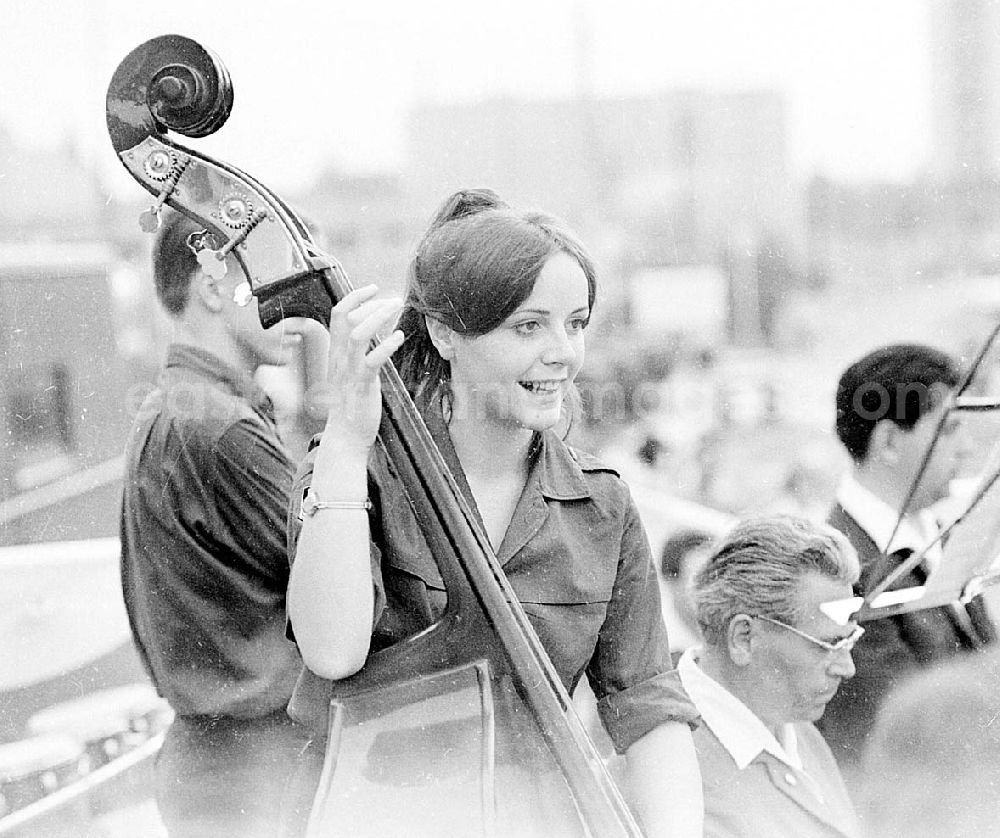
point(772, 604)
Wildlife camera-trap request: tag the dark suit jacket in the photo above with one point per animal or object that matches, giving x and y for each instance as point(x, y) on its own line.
point(892, 647)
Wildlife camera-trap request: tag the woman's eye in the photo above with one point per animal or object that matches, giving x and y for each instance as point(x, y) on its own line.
point(527, 327)
point(578, 324)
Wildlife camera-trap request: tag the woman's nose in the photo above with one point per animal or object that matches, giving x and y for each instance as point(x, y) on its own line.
point(560, 349)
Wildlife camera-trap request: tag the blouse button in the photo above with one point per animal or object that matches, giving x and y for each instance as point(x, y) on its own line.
point(790, 779)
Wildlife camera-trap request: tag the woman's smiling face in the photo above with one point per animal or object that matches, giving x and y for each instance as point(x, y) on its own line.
point(520, 373)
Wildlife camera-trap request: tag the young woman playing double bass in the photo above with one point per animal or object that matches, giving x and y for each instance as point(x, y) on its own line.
point(490, 339)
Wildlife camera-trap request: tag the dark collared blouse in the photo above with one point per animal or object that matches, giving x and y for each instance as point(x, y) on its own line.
point(578, 559)
point(204, 565)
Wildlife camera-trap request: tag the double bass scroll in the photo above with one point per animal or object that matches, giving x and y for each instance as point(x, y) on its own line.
point(172, 83)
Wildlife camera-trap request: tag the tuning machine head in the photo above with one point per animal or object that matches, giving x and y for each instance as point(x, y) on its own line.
point(162, 166)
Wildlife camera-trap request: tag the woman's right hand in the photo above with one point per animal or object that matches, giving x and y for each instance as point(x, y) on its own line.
point(354, 390)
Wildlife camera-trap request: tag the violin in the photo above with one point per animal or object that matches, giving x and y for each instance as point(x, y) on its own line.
point(475, 685)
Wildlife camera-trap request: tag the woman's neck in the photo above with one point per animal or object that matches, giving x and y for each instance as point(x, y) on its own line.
point(495, 464)
point(489, 450)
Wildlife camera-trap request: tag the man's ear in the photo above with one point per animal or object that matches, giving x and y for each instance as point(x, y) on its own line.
point(210, 293)
point(442, 336)
point(883, 445)
point(738, 637)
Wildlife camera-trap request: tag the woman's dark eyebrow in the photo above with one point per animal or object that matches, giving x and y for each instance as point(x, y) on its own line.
point(546, 312)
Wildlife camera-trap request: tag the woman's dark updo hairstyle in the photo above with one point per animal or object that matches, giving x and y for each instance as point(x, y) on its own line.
point(475, 265)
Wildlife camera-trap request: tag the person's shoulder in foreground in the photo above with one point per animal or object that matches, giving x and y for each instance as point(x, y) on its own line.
point(931, 765)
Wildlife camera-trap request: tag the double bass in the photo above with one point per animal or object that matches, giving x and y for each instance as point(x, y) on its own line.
point(464, 728)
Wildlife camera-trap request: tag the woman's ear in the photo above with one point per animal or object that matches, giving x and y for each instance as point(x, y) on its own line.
point(442, 336)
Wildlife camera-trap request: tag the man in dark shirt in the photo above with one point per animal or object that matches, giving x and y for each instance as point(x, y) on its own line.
point(889, 408)
point(204, 566)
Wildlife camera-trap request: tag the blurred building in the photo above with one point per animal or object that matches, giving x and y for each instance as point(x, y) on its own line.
point(965, 67)
point(368, 222)
point(908, 260)
point(685, 178)
point(884, 238)
point(675, 173)
point(47, 195)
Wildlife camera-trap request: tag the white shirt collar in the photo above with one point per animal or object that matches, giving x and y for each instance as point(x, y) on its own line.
point(878, 519)
point(735, 725)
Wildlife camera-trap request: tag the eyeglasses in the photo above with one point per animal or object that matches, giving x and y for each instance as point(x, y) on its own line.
point(845, 644)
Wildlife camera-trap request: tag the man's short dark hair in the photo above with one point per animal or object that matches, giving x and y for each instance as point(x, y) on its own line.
point(173, 262)
point(895, 382)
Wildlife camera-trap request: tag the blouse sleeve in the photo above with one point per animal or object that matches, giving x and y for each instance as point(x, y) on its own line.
point(631, 672)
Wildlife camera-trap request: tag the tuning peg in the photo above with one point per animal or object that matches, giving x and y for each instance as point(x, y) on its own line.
point(242, 294)
point(213, 262)
point(149, 220)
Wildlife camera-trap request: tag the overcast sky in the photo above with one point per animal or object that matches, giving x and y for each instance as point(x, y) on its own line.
point(329, 82)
